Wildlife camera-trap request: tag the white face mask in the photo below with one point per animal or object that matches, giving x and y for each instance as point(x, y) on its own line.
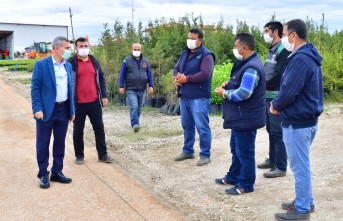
point(286, 44)
point(237, 55)
point(191, 44)
point(83, 52)
point(267, 38)
point(136, 53)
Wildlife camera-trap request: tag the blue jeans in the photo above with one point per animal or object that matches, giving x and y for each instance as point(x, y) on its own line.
point(242, 172)
point(136, 100)
point(194, 114)
point(277, 149)
point(298, 143)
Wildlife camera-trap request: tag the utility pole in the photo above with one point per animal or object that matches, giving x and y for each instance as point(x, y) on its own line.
point(323, 20)
point(71, 21)
point(132, 14)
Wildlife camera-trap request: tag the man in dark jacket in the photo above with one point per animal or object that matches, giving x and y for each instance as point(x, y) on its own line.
point(275, 63)
point(300, 103)
point(244, 113)
point(135, 74)
point(193, 75)
point(90, 95)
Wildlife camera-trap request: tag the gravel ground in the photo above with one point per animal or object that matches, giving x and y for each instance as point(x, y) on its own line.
point(148, 156)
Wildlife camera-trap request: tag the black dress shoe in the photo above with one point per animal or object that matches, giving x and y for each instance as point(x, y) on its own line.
point(59, 177)
point(44, 182)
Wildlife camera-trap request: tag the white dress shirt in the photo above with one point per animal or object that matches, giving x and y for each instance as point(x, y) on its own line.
point(61, 81)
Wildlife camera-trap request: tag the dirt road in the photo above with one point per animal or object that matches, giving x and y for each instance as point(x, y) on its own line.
point(147, 158)
point(98, 192)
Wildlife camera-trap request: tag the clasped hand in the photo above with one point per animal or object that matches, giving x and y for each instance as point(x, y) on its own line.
point(180, 79)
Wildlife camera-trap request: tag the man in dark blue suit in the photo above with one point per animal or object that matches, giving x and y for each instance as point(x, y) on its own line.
point(53, 107)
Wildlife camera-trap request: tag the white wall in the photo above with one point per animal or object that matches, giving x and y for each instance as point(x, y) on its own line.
point(24, 35)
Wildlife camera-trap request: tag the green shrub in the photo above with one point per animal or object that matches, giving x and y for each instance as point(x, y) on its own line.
point(221, 73)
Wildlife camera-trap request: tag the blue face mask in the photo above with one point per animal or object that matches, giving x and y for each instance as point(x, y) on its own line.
point(66, 54)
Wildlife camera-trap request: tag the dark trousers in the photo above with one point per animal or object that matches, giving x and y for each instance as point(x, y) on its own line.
point(94, 112)
point(277, 149)
point(58, 125)
point(242, 171)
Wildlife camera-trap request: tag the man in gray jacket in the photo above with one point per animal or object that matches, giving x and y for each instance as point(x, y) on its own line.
point(275, 63)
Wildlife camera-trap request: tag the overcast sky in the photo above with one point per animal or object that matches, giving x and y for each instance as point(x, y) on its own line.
point(89, 16)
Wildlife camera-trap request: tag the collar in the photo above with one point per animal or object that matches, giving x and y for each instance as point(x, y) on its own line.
point(274, 47)
point(79, 58)
point(293, 52)
point(55, 62)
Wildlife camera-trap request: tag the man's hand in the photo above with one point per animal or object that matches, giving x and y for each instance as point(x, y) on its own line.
point(39, 115)
point(122, 90)
point(219, 91)
point(150, 90)
point(72, 118)
point(181, 79)
point(224, 84)
point(104, 102)
point(175, 81)
point(272, 110)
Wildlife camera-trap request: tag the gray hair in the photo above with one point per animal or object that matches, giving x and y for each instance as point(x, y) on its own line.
point(58, 41)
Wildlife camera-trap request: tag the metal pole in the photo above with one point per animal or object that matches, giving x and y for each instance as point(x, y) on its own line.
point(71, 22)
point(132, 13)
point(323, 20)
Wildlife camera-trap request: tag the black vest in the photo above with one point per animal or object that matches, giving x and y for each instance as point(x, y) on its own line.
point(248, 114)
point(136, 78)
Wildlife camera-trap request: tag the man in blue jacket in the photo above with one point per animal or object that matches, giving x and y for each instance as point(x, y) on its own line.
point(53, 106)
point(193, 75)
point(300, 103)
point(244, 113)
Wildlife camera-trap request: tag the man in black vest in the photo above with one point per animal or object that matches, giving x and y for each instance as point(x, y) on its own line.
point(244, 113)
point(193, 74)
point(275, 63)
point(135, 74)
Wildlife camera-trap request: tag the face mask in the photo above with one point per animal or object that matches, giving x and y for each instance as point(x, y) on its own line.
point(237, 55)
point(136, 53)
point(191, 44)
point(267, 38)
point(67, 54)
point(83, 52)
point(286, 44)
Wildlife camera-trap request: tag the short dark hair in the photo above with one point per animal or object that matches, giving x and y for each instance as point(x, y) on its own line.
point(197, 31)
point(80, 40)
point(275, 25)
point(246, 39)
point(298, 26)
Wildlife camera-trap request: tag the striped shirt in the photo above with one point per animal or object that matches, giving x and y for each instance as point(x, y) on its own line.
point(249, 82)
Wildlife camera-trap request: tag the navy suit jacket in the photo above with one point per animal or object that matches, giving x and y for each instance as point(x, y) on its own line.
point(43, 88)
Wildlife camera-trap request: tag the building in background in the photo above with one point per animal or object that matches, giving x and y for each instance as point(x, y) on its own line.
point(15, 37)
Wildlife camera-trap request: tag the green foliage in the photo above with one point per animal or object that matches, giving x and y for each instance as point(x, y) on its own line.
point(221, 73)
point(163, 41)
point(18, 65)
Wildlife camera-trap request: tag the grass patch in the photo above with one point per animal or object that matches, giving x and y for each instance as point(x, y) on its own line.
point(334, 97)
point(147, 133)
point(24, 80)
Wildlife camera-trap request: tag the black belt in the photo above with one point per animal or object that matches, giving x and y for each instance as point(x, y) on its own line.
point(61, 103)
